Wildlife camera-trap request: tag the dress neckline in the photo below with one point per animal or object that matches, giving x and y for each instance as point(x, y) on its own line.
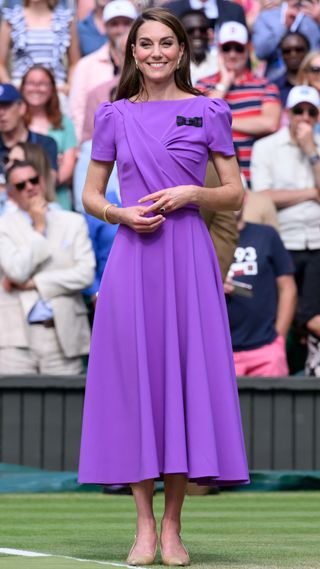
point(164, 100)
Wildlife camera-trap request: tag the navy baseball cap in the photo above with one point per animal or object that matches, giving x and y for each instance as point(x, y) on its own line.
point(9, 94)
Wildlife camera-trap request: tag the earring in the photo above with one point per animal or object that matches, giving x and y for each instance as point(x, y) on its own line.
point(178, 64)
point(137, 67)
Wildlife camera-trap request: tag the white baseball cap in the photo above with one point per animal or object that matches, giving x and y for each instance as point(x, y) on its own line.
point(116, 8)
point(233, 32)
point(303, 94)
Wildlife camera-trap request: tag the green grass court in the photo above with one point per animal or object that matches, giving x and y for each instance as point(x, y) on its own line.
point(229, 531)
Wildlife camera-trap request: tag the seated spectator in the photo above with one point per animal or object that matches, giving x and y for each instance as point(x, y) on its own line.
point(13, 129)
point(35, 154)
point(203, 60)
point(272, 25)
point(40, 33)
point(44, 116)
point(309, 74)
point(105, 91)
point(259, 321)
point(91, 30)
point(217, 11)
point(286, 166)
point(294, 47)
point(103, 64)
point(254, 103)
point(46, 260)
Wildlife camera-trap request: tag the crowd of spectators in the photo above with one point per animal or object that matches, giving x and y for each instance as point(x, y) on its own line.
point(59, 59)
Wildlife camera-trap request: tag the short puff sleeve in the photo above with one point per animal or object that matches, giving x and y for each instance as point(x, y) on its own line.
point(103, 142)
point(218, 121)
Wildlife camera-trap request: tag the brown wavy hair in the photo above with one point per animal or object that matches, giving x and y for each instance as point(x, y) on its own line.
point(131, 81)
point(52, 107)
point(51, 3)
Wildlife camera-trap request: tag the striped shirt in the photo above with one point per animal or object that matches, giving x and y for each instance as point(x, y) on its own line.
point(245, 100)
point(46, 47)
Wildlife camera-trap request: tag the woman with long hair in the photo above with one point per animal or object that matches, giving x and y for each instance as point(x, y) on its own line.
point(161, 395)
point(44, 115)
point(309, 74)
point(309, 70)
point(38, 32)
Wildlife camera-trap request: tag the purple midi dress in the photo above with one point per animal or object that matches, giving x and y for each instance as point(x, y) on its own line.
point(161, 394)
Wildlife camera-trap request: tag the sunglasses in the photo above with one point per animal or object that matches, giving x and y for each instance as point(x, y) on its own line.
point(313, 69)
point(20, 186)
point(7, 104)
point(226, 47)
point(5, 159)
point(288, 50)
point(201, 29)
point(312, 112)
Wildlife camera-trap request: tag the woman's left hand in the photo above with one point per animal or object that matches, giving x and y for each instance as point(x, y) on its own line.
point(169, 199)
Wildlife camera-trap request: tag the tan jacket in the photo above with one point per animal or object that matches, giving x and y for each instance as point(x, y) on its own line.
point(61, 264)
point(222, 226)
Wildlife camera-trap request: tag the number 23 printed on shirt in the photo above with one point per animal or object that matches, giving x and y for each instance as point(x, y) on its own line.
point(245, 262)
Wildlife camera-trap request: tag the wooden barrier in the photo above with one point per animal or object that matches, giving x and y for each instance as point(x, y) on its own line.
point(40, 421)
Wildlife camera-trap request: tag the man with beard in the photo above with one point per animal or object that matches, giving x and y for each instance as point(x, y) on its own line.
point(204, 61)
point(294, 47)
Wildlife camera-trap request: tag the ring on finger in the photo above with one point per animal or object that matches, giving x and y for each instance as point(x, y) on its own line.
point(162, 209)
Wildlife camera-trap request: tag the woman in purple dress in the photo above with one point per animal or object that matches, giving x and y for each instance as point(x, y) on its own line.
point(161, 396)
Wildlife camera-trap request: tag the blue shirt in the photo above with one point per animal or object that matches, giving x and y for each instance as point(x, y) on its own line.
point(284, 87)
point(102, 235)
point(90, 39)
point(258, 260)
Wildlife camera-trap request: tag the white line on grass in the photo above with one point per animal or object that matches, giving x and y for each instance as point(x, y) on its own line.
point(24, 553)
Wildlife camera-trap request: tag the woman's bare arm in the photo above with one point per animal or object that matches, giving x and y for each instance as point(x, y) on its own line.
point(228, 196)
point(94, 201)
point(73, 51)
point(5, 35)
point(95, 186)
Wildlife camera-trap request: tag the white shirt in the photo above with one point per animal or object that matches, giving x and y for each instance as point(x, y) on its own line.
point(277, 163)
point(209, 7)
point(209, 66)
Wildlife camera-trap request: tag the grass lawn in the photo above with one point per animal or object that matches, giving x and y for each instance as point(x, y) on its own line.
point(227, 531)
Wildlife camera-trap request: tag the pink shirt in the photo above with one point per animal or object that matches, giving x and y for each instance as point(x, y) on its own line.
point(97, 96)
point(90, 71)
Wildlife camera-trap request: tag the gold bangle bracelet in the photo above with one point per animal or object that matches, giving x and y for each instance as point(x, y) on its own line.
point(105, 213)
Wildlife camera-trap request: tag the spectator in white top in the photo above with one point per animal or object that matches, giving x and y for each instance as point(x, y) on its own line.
point(286, 166)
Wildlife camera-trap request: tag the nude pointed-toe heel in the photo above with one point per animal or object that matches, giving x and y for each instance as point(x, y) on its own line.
point(146, 559)
point(176, 560)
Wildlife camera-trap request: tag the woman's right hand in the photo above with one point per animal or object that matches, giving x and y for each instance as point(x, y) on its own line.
point(135, 218)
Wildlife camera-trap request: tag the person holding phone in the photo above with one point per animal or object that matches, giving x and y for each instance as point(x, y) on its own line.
point(261, 299)
point(272, 25)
